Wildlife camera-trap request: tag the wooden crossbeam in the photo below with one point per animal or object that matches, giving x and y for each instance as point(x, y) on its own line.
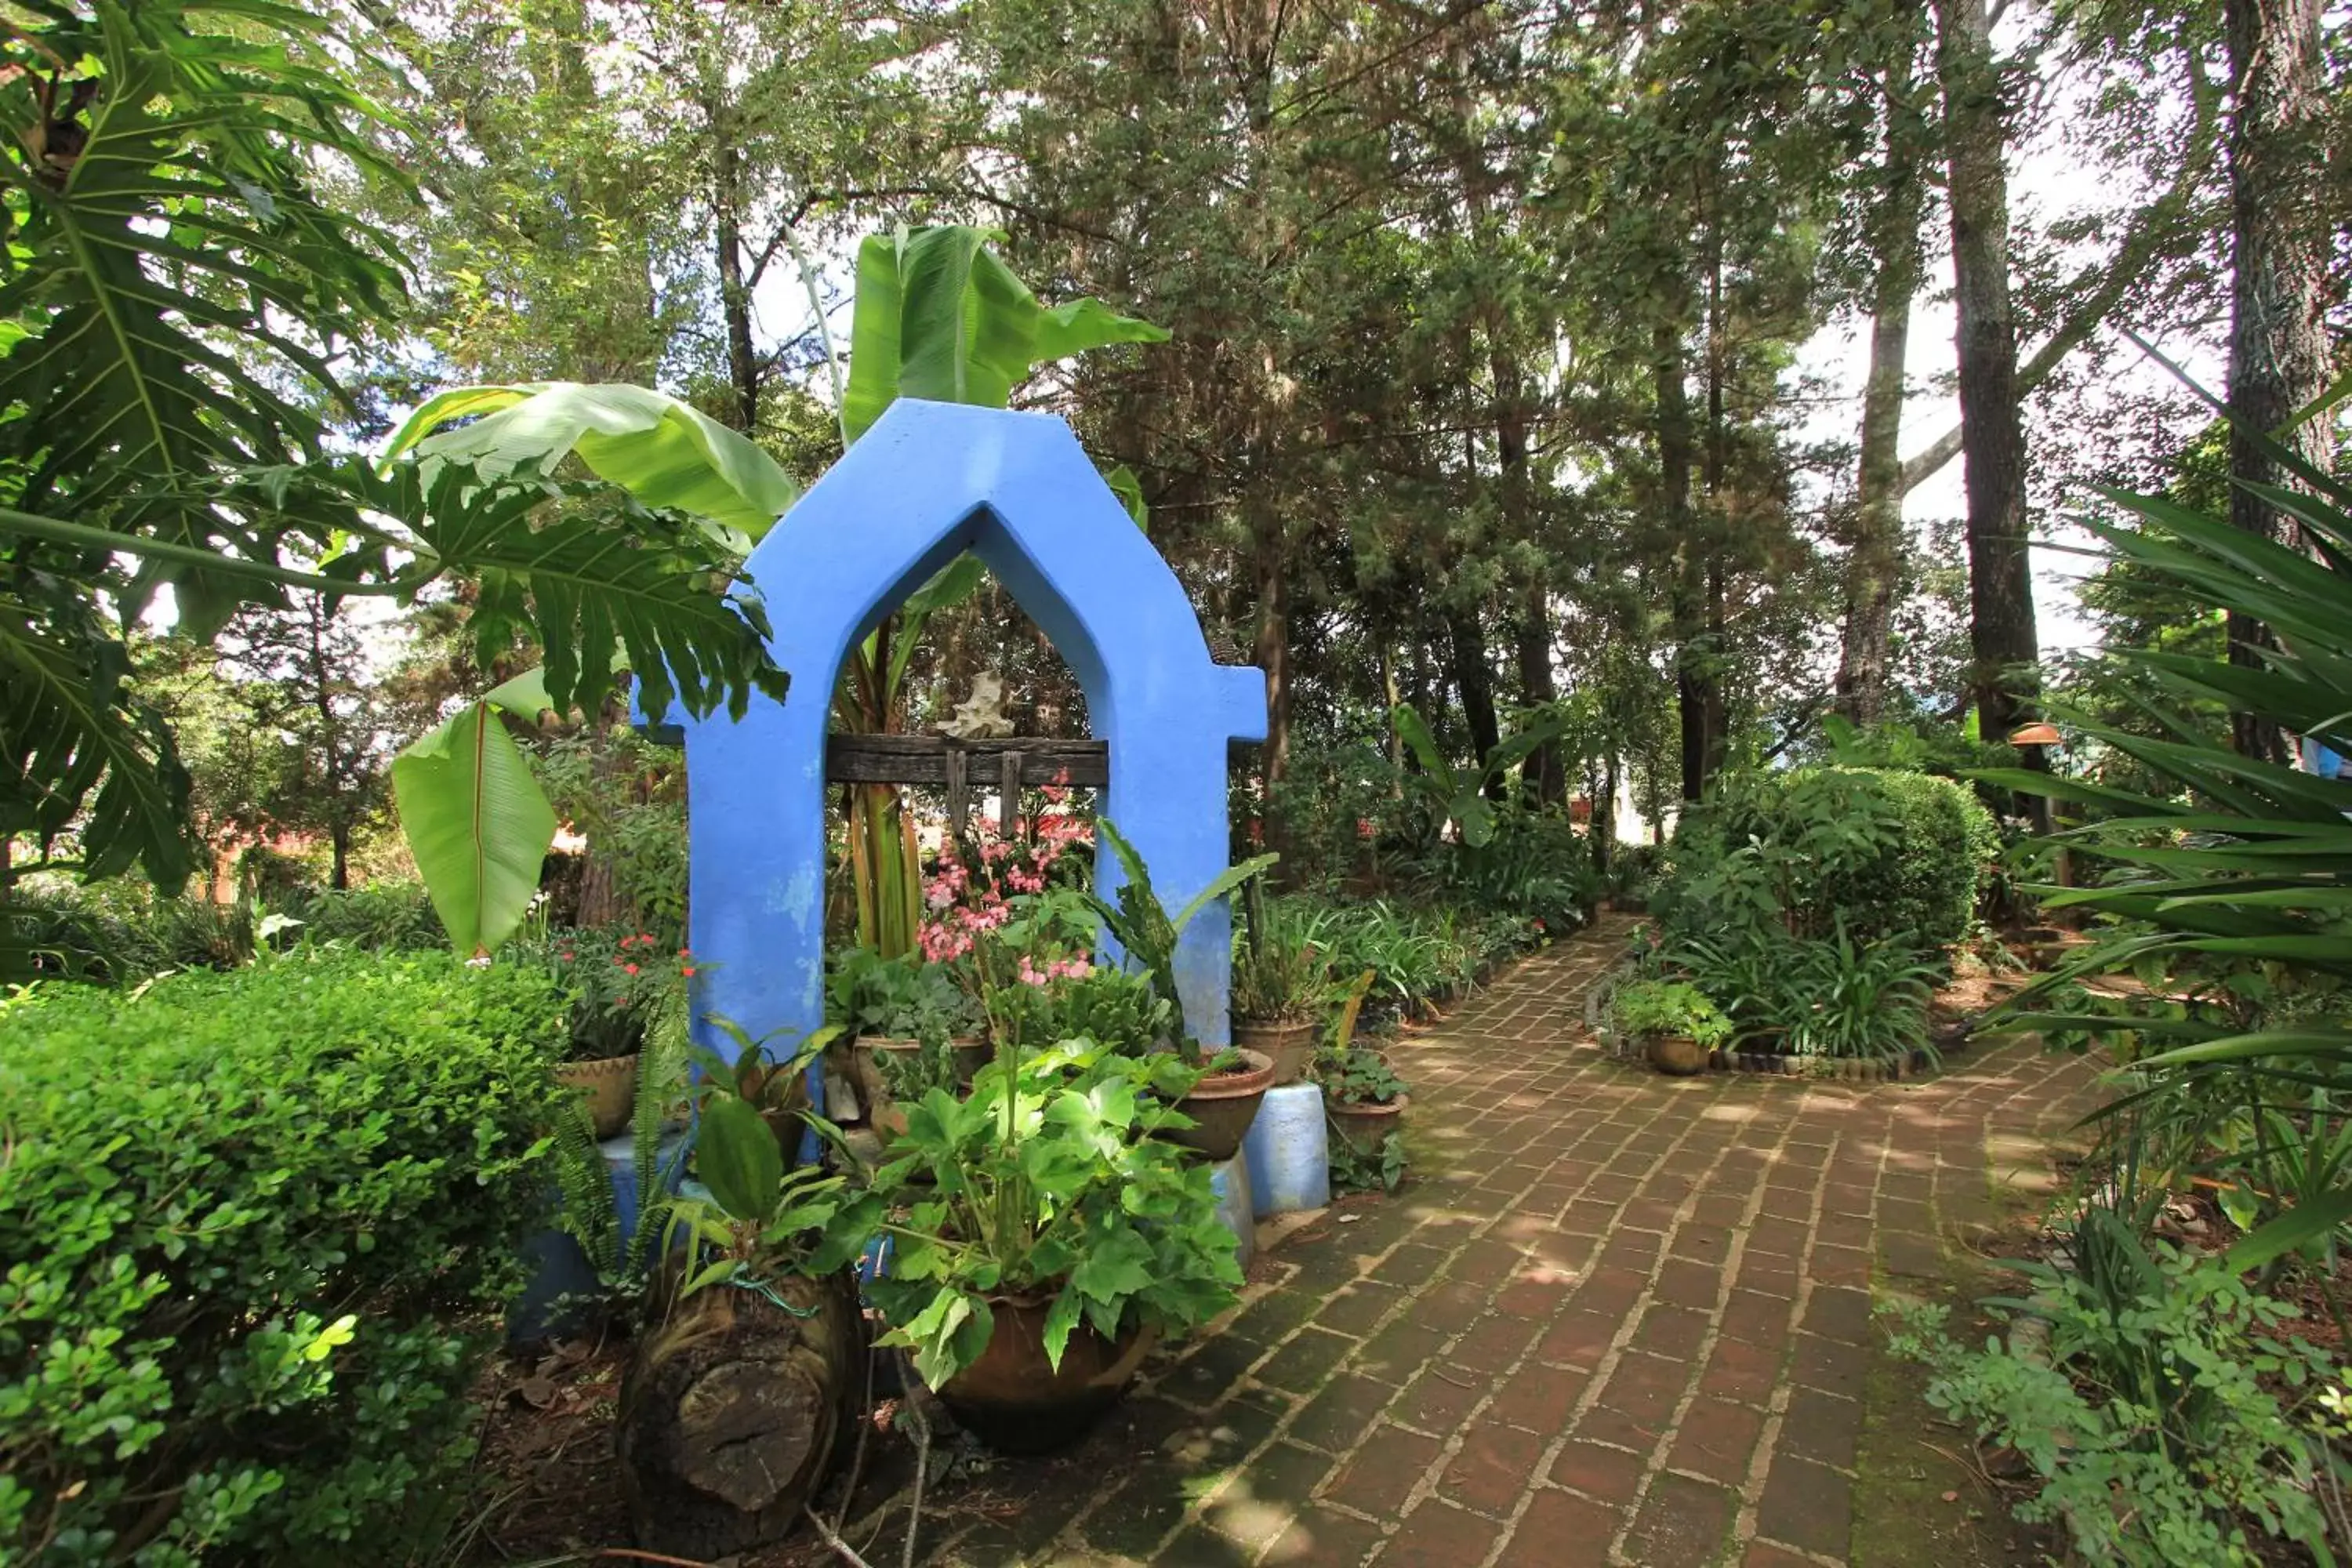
point(941, 759)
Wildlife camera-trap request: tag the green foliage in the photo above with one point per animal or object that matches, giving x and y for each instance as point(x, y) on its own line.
point(903, 998)
point(1110, 1007)
point(2166, 1414)
point(1048, 1182)
point(2230, 890)
point(940, 316)
point(1381, 1169)
point(627, 796)
point(477, 824)
point(620, 985)
point(589, 1211)
point(1881, 855)
point(255, 1224)
point(1643, 1008)
point(669, 456)
point(1282, 967)
point(1147, 933)
point(1459, 796)
point(381, 917)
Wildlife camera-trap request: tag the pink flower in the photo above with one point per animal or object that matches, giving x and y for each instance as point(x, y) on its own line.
point(629, 968)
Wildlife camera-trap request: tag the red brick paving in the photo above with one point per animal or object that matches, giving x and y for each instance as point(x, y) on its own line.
point(1617, 1319)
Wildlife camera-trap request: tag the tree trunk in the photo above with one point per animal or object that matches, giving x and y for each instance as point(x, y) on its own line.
point(1874, 569)
point(2279, 237)
point(1475, 681)
point(1546, 775)
point(2004, 678)
point(728, 1415)
point(734, 297)
point(1686, 596)
point(1272, 655)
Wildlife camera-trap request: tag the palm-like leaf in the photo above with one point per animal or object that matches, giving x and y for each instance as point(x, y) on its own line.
point(73, 738)
point(598, 581)
point(2251, 863)
point(129, 391)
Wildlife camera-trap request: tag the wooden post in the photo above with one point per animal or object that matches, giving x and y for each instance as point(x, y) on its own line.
point(1008, 807)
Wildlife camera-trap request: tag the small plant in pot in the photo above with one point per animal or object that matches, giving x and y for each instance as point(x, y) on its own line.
point(619, 982)
point(914, 1028)
point(738, 1393)
point(1363, 1098)
point(1281, 975)
point(1234, 1082)
point(1676, 1022)
point(1043, 1236)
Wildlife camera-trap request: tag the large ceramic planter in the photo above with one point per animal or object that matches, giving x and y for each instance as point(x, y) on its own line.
point(1223, 1106)
point(1291, 1046)
point(1366, 1126)
point(1677, 1055)
point(1017, 1402)
point(610, 1087)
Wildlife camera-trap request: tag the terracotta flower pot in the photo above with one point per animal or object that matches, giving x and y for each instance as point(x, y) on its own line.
point(1677, 1055)
point(1292, 1046)
point(1016, 1401)
point(1366, 1126)
point(1223, 1105)
point(610, 1084)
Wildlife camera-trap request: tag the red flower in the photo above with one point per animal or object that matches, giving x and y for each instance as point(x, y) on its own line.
point(629, 968)
point(687, 972)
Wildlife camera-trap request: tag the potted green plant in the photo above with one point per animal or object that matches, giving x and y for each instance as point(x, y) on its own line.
point(1676, 1022)
point(1225, 1099)
point(1043, 1235)
point(913, 1027)
point(735, 1397)
point(1363, 1099)
point(1281, 973)
point(619, 982)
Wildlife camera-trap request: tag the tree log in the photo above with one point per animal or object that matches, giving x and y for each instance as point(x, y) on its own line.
point(731, 1411)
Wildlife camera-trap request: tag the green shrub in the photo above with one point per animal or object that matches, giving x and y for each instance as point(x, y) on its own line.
point(381, 917)
point(2162, 1408)
point(254, 1225)
point(1877, 852)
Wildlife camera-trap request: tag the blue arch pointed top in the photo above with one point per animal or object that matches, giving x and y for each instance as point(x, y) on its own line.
point(926, 483)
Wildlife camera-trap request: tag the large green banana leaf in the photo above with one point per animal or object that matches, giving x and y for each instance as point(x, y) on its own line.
point(664, 451)
point(478, 822)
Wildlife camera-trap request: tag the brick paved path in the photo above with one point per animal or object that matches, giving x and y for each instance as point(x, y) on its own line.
point(1620, 1318)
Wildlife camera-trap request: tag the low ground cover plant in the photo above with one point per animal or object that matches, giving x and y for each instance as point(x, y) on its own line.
point(257, 1223)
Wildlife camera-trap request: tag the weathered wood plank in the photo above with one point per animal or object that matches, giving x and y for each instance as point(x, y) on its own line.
point(923, 759)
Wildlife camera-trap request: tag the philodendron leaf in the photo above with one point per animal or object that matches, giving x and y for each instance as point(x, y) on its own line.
point(477, 824)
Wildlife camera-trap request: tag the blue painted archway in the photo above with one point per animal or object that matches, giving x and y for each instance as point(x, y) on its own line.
point(926, 483)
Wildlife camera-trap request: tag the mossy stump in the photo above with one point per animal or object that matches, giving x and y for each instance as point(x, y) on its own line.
point(730, 1414)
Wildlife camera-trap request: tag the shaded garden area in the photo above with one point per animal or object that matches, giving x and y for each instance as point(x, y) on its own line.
point(980, 784)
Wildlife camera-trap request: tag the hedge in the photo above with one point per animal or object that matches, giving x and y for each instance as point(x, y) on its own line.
point(255, 1227)
point(1880, 850)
